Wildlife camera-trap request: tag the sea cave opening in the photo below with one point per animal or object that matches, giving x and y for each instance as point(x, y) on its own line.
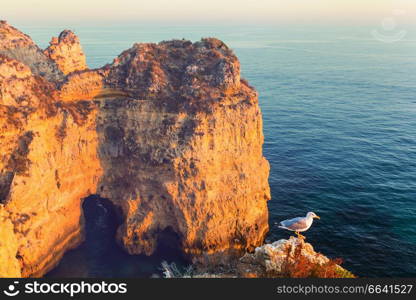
point(102, 219)
point(101, 256)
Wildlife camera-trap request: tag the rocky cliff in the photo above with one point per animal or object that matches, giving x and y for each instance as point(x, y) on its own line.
point(292, 258)
point(168, 132)
point(66, 52)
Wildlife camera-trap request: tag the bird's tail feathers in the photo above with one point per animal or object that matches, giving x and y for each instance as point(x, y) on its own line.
point(280, 225)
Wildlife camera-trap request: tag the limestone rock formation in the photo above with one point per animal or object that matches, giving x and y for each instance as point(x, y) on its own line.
point(168, 132)
point(9, 266)
point(49, 163)
point(17, 45)
point(67, 53)
point(283, 258)
point(271, 258)
point(189, 156)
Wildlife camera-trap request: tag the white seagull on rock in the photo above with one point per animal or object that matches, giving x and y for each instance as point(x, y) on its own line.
point(299, 224)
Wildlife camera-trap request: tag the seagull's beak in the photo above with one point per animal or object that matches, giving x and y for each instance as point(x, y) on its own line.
point(317, 217)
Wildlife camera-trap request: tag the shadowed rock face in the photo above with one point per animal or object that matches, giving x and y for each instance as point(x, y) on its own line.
point(168, 132)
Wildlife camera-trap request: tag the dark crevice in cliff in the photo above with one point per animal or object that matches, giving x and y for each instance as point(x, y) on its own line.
point(169, 244)
point(102, 219)
point(6, 180)
point(18, 161)
point(101, 256)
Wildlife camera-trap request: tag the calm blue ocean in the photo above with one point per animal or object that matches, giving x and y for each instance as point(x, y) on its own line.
point(339, 109)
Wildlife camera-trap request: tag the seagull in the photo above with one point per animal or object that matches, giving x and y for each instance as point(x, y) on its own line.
point(299, 224)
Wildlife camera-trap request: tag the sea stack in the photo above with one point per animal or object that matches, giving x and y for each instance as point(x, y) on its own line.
point(168, 132)
point(66, 52)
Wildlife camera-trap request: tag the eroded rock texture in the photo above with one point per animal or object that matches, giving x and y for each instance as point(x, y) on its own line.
point(291, 258)
point(67, 53)
point(19, 46)
point(168, 132)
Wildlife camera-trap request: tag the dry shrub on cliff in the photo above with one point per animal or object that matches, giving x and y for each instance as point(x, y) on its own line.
point(297, 265)
point(172, 271)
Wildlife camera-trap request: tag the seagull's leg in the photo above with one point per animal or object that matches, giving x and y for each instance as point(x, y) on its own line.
point(299, 235)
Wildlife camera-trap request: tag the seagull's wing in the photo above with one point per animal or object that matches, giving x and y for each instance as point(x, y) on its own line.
point(295, 224)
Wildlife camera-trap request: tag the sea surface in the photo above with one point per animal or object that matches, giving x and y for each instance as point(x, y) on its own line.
point(339, 109)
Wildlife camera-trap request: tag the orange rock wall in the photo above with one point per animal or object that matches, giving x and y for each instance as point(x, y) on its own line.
point(67, 53)
point(168, 132)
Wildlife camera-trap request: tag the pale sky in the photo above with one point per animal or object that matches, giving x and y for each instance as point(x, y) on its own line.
point(207, 11)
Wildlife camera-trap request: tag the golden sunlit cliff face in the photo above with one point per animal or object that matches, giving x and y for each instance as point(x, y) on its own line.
point(168, 132)
point(66, 52)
